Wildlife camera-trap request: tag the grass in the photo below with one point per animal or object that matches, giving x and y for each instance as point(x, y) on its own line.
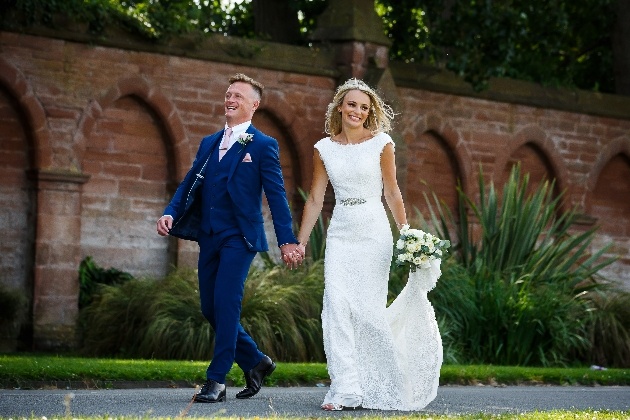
point(547, 415)
point(22, 370)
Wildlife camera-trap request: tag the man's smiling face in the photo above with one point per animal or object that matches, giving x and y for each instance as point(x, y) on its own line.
point(241, 101)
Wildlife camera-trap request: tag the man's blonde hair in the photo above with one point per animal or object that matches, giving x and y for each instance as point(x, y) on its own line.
point(380, 115)
point(240, 77)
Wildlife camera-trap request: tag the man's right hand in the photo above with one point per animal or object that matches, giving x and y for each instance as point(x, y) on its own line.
point(164, 225)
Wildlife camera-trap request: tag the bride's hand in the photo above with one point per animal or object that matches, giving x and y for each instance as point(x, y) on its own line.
point(301, 248)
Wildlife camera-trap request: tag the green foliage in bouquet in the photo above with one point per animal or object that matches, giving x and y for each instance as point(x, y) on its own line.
point(416, 248)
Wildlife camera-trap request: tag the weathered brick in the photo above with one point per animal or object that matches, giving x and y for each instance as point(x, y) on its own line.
point(119, 116)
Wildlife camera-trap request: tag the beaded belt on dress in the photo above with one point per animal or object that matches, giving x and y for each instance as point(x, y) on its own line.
point(352, 201)
point(355, 201)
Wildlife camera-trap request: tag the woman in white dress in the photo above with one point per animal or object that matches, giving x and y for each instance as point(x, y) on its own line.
point(378, 357)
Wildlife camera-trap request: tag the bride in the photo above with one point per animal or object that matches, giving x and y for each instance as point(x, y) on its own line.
point(378, 357)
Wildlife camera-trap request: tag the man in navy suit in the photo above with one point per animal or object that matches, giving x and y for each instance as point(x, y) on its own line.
point(219, 205)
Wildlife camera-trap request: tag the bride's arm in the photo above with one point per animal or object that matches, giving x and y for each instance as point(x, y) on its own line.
point(391, 190)
point(315, 201)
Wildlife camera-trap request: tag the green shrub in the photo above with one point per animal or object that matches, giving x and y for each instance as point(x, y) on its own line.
point(92, 275)
point(13, 310)
point(282, 311)
point(608, 327)
point(515, 291)
point(12, 303)
point(114, 323)
point(162, 319)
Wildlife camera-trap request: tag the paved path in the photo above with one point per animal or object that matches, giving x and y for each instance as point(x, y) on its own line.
point(300, 401)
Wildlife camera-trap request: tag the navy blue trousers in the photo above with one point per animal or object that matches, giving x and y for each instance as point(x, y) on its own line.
point(224, 261)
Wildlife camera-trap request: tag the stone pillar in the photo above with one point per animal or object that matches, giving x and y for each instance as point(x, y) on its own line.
point(355, 32)
point(57, 258)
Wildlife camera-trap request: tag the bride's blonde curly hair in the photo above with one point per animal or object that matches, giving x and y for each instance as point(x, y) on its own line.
point(380, 115)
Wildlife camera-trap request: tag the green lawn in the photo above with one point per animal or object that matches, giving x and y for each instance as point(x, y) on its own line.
point(22, 369)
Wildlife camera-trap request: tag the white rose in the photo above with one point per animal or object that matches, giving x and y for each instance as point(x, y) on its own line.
point(415, 232)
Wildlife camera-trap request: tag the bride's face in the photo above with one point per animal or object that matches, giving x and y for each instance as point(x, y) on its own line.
point(354, 108)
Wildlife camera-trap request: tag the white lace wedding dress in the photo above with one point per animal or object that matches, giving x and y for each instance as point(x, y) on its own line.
point(378, 357)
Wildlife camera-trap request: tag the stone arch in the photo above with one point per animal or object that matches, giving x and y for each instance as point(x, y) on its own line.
point(432, 123)
point(133, 144)
point(432, 169)
point(446, 159)
point(24, 148)
point(616, 147)
point(268, 123)
point(176, 138)
point(609, 188)
point(538, 157)
point(275, 105)
point(296, 143)
point(38, 136)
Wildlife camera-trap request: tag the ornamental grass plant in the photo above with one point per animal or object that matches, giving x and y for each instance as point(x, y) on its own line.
point(161, 319)
point(608, 328)
point(521, 287)
point(281, 310)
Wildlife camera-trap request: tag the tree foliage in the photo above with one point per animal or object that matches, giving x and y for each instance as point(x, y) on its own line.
point(157, 20)
point(553, 42)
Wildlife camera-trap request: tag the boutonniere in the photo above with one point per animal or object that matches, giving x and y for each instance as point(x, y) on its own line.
point(245, 138)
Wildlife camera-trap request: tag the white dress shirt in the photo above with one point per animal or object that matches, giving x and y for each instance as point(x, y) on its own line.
point(237, 130)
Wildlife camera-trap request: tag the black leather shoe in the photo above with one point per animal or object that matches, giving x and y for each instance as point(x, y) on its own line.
point(255, 377)
point(211, 392)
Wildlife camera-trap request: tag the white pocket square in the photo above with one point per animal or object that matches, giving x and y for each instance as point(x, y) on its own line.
point(247, 158)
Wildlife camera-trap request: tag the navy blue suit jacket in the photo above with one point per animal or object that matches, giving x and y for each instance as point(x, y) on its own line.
point(246, 182)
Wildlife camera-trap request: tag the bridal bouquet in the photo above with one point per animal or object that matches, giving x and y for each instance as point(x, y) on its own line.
point(416, 248)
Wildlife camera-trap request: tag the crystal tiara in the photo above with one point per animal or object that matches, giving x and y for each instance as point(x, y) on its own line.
point(355, 83)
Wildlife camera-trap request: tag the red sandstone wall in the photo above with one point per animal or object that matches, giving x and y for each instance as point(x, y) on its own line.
point(448, 137)
point(111, 132)
point(132, 122)
point(16, 199)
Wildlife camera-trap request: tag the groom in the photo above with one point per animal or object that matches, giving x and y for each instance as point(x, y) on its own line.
point(219, 205)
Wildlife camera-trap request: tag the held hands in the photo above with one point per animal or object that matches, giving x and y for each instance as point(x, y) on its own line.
point(164, 225)
point(302, 249)
point(292, 255)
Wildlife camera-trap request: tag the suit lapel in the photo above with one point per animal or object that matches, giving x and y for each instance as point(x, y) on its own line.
point(212, 143)
point(240, 151)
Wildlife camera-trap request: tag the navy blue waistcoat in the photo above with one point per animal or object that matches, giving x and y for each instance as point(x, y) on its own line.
point(217, 214)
